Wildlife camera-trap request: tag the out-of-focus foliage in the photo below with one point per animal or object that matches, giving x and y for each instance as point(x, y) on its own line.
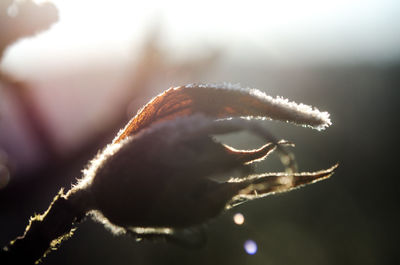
point(20, 19)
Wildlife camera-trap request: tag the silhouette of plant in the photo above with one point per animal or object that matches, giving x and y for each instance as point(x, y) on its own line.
point(164, 175)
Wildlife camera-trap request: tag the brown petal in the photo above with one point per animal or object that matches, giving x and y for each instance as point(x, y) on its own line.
point(222, 102)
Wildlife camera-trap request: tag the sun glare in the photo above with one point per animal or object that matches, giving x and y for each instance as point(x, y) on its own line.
point(286, 29)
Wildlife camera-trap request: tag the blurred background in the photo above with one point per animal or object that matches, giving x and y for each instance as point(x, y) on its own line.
point(73, 72)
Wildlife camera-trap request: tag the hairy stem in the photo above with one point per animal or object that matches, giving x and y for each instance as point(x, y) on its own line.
point(44, 232)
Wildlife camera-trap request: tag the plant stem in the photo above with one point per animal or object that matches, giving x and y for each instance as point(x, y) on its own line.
point(44, 232)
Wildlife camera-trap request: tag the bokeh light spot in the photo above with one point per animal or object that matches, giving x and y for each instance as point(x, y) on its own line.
point(238, 219)
point(250, 247)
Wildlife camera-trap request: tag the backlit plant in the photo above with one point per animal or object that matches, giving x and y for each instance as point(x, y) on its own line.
point(164, 174)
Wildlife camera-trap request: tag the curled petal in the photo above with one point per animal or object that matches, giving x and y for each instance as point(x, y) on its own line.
point(251, 156)
point(261, 185)
point(222, 101)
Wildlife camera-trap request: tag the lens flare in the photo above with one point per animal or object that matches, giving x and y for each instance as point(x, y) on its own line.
point(250, 247)
point(238, 219)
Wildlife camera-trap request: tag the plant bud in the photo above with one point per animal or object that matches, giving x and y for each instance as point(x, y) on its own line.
point(164, 171)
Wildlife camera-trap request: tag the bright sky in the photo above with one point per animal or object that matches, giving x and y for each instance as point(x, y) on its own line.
point(286, 29)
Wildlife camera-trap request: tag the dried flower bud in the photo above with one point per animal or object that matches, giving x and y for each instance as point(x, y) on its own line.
point(164, 171)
